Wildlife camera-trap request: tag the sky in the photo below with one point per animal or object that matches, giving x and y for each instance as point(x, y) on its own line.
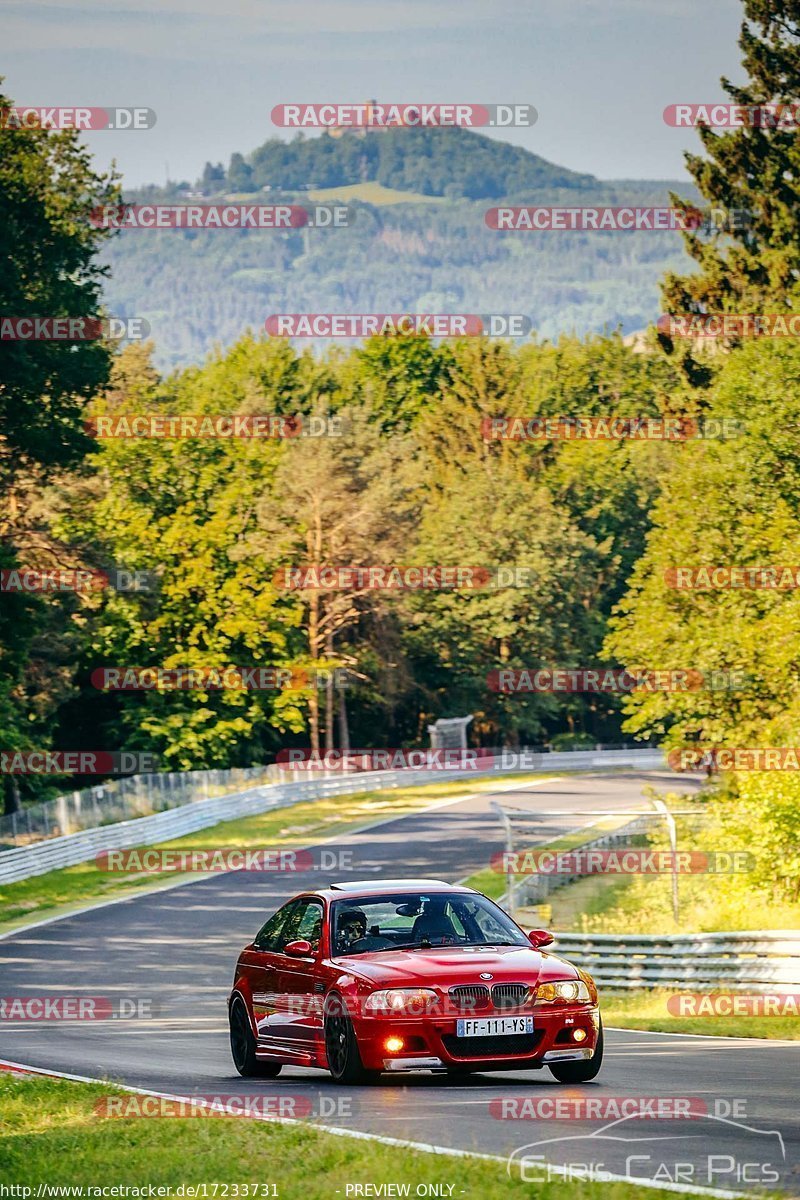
point(599, 73)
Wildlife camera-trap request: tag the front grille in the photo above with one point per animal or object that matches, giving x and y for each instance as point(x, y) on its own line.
point(494, 1046)
point(509, 995)
point(470, 997)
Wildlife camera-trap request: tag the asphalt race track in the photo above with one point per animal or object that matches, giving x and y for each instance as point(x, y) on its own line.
point(177, 950)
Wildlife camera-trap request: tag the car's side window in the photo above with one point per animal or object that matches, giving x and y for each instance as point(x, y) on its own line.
point(304, 925)
point(309, 927)
point(267, 937)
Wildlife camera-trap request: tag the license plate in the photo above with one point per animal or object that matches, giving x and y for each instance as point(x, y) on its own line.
point(492, 1026)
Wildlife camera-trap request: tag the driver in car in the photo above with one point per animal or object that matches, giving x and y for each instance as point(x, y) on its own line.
point(352, 928)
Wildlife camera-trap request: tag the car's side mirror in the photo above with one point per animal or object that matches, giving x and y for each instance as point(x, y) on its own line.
point(298, 949)
point(539, 938)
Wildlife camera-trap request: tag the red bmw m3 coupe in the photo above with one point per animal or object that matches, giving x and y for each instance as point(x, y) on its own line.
point(408, 975)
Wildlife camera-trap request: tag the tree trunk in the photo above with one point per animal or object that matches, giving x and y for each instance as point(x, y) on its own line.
point(329, 693)
point(344, 728)
point(11, 799)
point(313, 700)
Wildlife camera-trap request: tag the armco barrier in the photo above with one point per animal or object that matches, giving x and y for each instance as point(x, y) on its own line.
point(756, 961)
point(40, 857)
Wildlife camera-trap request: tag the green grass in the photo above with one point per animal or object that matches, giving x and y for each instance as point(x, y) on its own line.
point(371, 193)
point(50, 1133)
point(298, 825)
point(648, 1010)
point(493, 883)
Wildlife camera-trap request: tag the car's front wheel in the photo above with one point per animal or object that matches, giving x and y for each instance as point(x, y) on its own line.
point(581, 1072)
point(341, 1047)
point(243, 1046)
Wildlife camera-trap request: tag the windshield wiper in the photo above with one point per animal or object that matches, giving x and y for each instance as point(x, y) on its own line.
point(424, 944)
point(496, 943)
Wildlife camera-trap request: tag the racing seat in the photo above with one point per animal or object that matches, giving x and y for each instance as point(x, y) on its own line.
point(433, 925)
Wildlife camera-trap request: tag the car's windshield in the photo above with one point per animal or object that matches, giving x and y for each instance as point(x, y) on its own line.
point(425, 919)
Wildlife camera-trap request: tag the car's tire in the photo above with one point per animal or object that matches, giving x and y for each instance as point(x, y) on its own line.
point(341, 1047)
point(581, 1072)
point(243, 1046)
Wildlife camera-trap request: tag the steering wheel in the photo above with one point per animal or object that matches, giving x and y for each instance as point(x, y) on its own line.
point(371, 942)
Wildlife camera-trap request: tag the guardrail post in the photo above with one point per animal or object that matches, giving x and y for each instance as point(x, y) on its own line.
point(661, 807)
point(498, 808)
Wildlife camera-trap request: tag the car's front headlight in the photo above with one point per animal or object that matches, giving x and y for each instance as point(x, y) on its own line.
point(572, 991)
point(406, 1002)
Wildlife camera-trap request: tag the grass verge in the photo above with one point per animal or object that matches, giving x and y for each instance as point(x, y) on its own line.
point(370, 192)
point(493, 883)
point(51, 1134)
point(648, 1010)
point(296, 826)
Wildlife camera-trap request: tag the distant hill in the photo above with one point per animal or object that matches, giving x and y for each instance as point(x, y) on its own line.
point(454, 163)
point(419, 242)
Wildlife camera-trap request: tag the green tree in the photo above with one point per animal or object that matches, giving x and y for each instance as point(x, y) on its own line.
point(726, 502)
point(755, 169)
point(48, 244)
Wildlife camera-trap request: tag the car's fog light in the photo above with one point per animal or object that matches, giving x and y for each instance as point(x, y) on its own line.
point(393, 1044)
point(579, 1035)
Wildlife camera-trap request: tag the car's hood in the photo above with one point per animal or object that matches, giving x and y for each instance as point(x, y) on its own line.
point(450, 965)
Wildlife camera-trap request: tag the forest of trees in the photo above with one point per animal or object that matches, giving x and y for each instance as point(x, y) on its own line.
point(454, 162)
point(410, 479)
point(432, 252)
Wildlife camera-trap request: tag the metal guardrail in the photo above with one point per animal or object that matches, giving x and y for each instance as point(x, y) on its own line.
point(142, 795)
point(39, 857)
point(756, 961)
point(125, 799)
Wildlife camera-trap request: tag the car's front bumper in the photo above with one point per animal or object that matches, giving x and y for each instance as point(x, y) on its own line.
point(431, 1043)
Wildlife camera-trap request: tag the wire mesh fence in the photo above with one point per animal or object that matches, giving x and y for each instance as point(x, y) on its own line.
point(142, 795)
point(125, 799)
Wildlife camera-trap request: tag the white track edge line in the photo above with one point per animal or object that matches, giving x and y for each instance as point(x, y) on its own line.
point(714, 1037)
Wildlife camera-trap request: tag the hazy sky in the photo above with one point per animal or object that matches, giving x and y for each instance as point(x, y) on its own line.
point(600, 72)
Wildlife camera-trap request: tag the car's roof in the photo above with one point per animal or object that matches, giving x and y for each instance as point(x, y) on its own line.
point(364, 887)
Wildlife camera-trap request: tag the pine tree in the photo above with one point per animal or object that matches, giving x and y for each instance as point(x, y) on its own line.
point(754, 267)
